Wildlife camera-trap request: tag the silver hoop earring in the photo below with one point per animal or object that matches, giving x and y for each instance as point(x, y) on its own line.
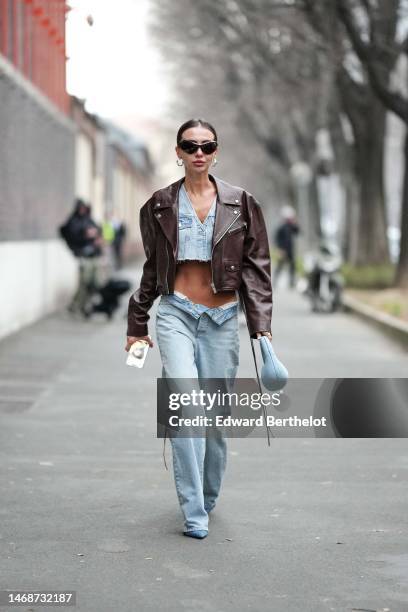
point(180, 160)
point(214, 161)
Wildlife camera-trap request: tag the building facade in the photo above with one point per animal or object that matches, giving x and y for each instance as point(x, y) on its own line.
point(130, 179)
point(32, 39)
point(37, 152)
point(113, 172)
point(53, 151)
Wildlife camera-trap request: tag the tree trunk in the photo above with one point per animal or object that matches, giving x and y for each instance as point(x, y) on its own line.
point(314, 210)
point(351, 212)
point(372, 247)
point(345, 153)
point(401, 277)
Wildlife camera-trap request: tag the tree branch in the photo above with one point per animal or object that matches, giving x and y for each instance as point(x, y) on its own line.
point(391, 100)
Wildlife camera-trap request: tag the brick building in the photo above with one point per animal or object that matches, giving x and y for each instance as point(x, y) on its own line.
point(32, 38)
point(37, 155)
point(52, 151)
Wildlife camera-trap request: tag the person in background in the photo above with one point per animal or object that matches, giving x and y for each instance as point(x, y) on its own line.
point(84, 237)
point(108, 235)
point(285, 242)
point(108, 230)
point(114, 232)
point(118, 241)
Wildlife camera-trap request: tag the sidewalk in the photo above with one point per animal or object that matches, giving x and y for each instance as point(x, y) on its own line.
point(303, 525)
point(387, 309)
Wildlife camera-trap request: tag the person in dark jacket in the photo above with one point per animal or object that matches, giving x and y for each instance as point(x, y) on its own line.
point(83, 237)
point(206, 247)
point(285, 242)
point(81, 233)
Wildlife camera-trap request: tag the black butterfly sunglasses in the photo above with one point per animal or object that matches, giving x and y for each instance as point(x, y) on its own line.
point(189, 146)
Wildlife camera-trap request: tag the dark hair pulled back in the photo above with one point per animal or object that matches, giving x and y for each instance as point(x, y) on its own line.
point(195, 123)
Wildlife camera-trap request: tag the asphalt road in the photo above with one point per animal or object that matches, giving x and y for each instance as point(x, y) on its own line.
point(87, 505)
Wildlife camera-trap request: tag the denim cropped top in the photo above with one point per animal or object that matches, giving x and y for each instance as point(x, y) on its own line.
point(194, 236)
point(195, 243)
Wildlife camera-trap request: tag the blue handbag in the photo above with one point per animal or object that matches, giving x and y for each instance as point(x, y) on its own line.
point(274, 375)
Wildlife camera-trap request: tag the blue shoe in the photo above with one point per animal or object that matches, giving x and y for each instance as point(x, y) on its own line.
point(199, 533)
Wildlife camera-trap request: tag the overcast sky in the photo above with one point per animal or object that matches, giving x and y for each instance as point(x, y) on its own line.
point(112, 64)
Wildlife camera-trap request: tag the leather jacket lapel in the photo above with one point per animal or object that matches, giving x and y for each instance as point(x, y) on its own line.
point(166, 213)
point(227, 208)
point(166, 210)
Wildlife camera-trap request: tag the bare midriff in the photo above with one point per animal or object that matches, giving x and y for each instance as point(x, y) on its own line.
point(193, 279)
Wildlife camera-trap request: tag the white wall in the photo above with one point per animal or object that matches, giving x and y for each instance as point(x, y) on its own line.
point(36, 278)
point(128, 197)
point(89, 172)
point(84, 168)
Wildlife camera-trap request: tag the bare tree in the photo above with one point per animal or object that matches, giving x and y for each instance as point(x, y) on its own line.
point(378, 48)
point(363, 174)
point(257, 62)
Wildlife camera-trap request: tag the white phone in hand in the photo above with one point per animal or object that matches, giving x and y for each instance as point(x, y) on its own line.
point(137, 354)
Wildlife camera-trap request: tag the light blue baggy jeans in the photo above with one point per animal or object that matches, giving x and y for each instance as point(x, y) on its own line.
point(196, 342)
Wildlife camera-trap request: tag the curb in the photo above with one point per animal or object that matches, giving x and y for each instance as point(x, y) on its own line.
point(392, 326)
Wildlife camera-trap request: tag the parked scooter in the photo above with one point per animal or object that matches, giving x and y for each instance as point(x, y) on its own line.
point(324, 280)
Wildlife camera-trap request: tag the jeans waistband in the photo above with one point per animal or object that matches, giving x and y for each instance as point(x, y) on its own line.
point(223, 306)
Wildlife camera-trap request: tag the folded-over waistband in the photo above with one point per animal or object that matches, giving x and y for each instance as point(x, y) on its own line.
point(223, 306)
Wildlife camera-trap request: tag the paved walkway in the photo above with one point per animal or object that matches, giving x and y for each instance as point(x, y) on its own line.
point(303, 525)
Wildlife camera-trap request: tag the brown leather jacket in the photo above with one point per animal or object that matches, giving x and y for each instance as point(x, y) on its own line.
point(240, 254)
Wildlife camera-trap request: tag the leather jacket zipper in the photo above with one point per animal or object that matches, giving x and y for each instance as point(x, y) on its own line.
point(167, 267)
point(212, 250)
point(177, 240)
point(167, 246)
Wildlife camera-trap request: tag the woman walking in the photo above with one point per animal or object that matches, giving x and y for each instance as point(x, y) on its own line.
point(206, 247)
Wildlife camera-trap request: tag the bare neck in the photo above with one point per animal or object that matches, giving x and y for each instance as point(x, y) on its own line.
point(198, 185)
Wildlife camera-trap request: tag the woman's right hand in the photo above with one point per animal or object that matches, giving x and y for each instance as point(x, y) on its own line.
point(132, 339)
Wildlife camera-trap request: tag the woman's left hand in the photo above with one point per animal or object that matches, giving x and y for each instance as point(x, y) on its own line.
point(264, 333)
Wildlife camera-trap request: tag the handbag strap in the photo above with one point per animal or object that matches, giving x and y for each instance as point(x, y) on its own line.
point(164, 448)
point(265, 414)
